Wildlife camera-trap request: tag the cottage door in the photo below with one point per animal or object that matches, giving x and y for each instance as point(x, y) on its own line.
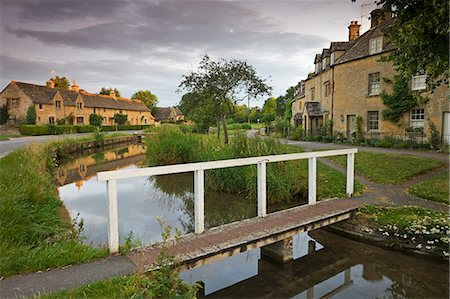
point(351, 125)
point(446, 128)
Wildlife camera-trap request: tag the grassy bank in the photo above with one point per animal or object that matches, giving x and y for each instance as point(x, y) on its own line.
point(36, 232)
point(409, 226)
point(285, 180)
point(389, 168)
point(435, 189)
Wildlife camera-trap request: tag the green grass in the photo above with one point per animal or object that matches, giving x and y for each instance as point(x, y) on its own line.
point(389, 168)
point(3, 138)
point(435, 189)
point(36, 232)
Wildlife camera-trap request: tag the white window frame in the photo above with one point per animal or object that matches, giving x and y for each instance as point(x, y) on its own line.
point(324, 63)
point(374, 87)
point(417, 118)
point(375, 45)
point(372, 123)
point(317, 67)
point(332, 58)
point(419, 82)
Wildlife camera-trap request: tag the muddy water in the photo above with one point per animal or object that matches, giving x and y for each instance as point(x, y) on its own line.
point(338, 268)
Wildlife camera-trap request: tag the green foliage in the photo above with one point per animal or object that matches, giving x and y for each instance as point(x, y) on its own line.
point(61, 82)
point(4, 115)
point(98, 135)
point(420, 35)
point(35, 234)
point(31, 115)
point(435, 137)
point(298, 133)
point(36, 130)
point(270, 106)
point(203, 115)
point(95, 119)
point(400, 101)
point(107, 91)
point(147, 97)
point(120, 118)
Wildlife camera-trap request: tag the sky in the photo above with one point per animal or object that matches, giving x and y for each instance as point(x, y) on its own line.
point(150, 45)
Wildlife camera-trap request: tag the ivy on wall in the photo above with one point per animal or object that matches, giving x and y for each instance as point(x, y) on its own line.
point(400, 101)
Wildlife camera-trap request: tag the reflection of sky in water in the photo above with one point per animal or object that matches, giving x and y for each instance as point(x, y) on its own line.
point(139, 205)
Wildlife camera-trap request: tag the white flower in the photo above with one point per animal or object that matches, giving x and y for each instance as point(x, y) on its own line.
point(419, 246)
point(428, 247)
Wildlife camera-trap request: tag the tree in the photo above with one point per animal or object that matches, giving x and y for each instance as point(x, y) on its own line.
point(147, 97)
point(107, 91)
point(31, 115)
point(420, 36)
point(219, 84)
point(203, 116)
point(270, 106)
point(95, 119)
point(120, 118)
point(61, 82)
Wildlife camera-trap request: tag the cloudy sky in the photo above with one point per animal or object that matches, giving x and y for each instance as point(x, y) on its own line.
point(134, 45)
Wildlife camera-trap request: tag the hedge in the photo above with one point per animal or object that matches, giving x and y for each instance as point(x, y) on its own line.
point(36, 130)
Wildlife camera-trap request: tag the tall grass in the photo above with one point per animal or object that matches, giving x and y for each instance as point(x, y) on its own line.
point(36, 232)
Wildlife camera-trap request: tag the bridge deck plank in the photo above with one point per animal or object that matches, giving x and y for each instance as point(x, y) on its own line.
point(226, 238)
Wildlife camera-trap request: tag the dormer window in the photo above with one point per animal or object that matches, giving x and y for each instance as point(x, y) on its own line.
point(58, 104)
point(332, 58)
point(317, 67)
point(79, 105)
point(324, 63)
point(419, 82)
point(376, 45)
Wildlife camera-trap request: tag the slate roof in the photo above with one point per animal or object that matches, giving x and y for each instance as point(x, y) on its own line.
point(163, 113)
point(340, 46)
point(44, 95)
point(313, 108)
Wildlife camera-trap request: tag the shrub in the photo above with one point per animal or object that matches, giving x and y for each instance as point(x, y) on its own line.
point(99, 136)
point(95, 119)
point(4, 115)
point(85, 129)
point(31, 115)
point(34, 130)
point(120, 118)
point(297, 133)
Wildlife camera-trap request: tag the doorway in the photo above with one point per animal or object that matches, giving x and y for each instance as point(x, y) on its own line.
point(351, 125)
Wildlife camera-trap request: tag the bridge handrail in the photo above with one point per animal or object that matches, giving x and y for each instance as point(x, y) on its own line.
point(198, 168)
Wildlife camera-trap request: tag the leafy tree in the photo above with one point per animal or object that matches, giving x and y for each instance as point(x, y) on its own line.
point(270, 106)
point(61, 82)
point(420, 35)
point(31, 115)
point(203, 116)
point(120, 118)
point(4, 114)
point(107, 91)
point(147, 97)
point(220, 83)
point(283, 102)
point(95, 119)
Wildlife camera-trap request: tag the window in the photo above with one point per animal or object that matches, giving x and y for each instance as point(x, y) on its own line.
point(95, 110)
point(145, 120)
point(324, 63)
point(39, 119)
point(312, 93)
point(104, 120)
point(327, 89)
point(120, 111)
point(58, 104)
point(374, 84)
point(372, 120)
point(332, 58)
point(376, 45)
point(13, 102)
point(317, 68)
point(51, 120)
point(79, 105)
point(104, 109)
point(40, 107)
point(417, 118)
point(80, 120)
point(419, 82)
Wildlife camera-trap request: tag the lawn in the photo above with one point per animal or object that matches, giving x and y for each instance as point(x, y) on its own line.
point(36, 233)
point(3, 138)
point(435, 189)
point(389, 168)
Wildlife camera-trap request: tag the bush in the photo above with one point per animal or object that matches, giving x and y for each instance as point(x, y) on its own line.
point(84, 129)
point(34, 130)
point(4, 115)
point(120, 118)
point(297, 133)
point(95, 119)
point(31, 115)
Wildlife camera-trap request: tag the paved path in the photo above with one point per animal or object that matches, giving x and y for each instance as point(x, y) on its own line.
point(12, 144)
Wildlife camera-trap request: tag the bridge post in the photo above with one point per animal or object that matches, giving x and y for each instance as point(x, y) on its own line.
point(199, 201)
point(350, 173)
point(312, 174)
point(262, 196)
point(113, 221)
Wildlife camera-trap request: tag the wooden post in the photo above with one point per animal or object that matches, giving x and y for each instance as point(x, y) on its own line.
point(262, 193)
point(312, 180)
point(199, 201)
point(350, 173)
point(113, 219)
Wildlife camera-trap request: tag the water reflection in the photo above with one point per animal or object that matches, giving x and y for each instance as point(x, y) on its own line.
point(341, 268)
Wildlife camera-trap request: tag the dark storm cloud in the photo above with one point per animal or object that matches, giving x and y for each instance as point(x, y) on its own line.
point(145, 26)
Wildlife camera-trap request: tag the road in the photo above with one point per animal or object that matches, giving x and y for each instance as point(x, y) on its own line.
point(8, 146)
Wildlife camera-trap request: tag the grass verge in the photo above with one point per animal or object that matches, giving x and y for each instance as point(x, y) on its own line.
point(417, 227)
point(389, 168)
point(435, 189)
point(35, 231)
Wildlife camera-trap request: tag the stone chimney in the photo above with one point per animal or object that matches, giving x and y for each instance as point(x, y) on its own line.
point(50, 83)
point(379, 15)
point(112, 93)
point(353, 30)
point(75, 86)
